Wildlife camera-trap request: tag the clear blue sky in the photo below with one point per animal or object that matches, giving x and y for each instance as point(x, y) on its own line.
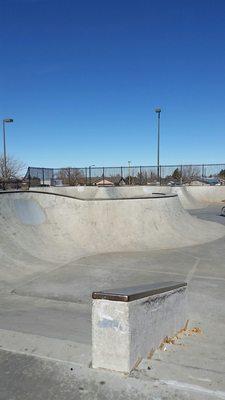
point(82, 79)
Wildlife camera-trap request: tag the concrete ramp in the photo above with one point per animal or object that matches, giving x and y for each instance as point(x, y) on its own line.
point(199, 196)
point(40, 231)
point(191, 197)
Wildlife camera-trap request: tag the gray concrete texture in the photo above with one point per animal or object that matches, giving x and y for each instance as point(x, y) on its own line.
point(56, 250)
point(124, 333)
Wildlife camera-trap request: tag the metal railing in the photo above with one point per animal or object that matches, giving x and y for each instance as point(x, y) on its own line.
point(198, 174)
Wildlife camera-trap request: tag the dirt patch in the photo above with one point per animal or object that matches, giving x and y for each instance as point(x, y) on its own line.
point(182, 333)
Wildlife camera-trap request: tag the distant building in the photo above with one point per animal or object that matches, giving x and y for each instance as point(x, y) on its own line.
point(56, 182)
point(104, 182)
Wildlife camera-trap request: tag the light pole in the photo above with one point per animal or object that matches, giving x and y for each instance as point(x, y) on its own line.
point(129, 162)
point(5, 121)
point(158, 111)
point(90, 173)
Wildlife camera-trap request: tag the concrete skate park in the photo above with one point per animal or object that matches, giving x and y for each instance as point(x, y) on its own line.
point(60, 244)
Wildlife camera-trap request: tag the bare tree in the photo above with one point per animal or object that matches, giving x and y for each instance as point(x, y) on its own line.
point(190, 173)
point(14, 168)
point(71, 176)
point(151, 176)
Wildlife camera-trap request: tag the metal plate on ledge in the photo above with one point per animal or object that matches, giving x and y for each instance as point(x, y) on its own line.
point(137, 292)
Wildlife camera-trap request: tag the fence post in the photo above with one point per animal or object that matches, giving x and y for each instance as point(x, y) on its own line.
point(86, 177)
point(140, 181)
point(69, 176)
point(43, 176)
point(90, 175)
point(28, 177)
point(121, 172)
point(160, 174)
point(103, 175)
point(202, 173)
point(181, 174)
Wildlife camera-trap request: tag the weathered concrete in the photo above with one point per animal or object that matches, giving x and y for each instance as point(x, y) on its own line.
point(42, 231)
point(190, 196)
point(52, 314)
point(26, 377)
point(123, 333)
point(193, 370)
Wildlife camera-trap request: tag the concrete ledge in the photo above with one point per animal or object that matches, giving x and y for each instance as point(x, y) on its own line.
point(127, 330)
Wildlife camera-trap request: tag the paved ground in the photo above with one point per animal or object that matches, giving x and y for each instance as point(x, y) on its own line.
point(45, 325)
point(26, 378)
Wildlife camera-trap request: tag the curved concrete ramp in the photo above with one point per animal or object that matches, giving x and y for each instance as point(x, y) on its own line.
point(39, 231)
point(190, 196)
point(199, 196)
point(196, 197)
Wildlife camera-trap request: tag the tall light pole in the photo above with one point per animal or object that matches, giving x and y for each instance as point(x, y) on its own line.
point(158, 111)
point(5, 121)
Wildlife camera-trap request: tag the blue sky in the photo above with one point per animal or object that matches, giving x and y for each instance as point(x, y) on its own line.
point(82, 79)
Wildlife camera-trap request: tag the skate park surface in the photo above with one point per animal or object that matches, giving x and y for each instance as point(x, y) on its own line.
point(59, 244)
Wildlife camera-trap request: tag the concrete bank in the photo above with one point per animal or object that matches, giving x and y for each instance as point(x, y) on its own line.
point(41, 231)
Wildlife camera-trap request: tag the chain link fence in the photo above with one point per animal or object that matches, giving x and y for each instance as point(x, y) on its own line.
point(12, 184)
point(198, 174)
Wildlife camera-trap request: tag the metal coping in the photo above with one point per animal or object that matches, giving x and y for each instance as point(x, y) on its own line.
point(158, 196)
point(137, 292)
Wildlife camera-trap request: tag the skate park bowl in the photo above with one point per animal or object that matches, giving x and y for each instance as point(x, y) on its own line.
point(39, 227)
point(60, 244)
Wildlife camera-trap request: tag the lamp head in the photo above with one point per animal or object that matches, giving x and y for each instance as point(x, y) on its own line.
point(158, 110)
point(8, 120)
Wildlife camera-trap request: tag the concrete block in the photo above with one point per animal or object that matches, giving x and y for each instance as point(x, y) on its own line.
point(123, 333)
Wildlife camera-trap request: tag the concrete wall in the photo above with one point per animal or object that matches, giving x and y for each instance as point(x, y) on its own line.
point(123, 333)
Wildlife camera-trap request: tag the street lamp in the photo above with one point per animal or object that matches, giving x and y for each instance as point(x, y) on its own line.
point(90, 173)
point(5, 121)
point(158, 111)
